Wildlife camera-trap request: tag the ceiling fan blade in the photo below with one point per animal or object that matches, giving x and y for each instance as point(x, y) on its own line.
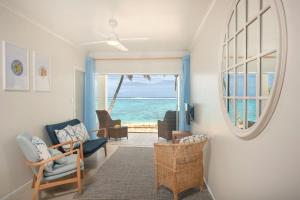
point(134, 39)
point(121, 47)
point(93, 43)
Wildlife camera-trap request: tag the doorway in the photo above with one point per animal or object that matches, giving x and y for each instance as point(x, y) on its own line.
point(139, 100)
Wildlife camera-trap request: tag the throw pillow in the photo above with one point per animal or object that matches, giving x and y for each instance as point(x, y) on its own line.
point(65, 135)
point(43, 152)
point(55, 152)
point(81, 132)
point(193, 139)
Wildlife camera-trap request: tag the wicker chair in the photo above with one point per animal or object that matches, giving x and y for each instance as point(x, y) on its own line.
point(179, 166)
point(106, 122)
point(168, 125)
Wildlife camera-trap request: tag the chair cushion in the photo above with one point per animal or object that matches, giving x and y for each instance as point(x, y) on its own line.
point(91, 146)
point(69, 165)
point(43, 152)
point(81, 132)
point(65, 135)
point(193, 139)
point(57, 176)
point(55, 152)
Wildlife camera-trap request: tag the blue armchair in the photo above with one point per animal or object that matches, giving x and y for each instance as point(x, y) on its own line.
point(60, 175)
point(89, 147)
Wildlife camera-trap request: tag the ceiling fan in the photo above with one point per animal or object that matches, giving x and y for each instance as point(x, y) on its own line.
point(112, 39)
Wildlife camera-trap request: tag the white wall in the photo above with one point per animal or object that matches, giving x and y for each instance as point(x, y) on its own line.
point(268, 166)
point(31, 111)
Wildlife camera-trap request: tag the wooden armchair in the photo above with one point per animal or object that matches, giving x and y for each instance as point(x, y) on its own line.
point(179, 166)
point(110, 125)
point(43, 179)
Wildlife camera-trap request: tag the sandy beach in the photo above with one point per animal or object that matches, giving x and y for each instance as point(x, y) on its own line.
point(141, 127)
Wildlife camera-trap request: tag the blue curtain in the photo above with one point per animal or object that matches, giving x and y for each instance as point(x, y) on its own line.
point(185, 93)
point(89, 96)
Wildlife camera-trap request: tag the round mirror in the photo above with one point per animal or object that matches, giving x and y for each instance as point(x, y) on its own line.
point(253, 64)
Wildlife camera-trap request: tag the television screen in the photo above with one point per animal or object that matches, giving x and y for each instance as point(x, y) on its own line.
point(190, 113)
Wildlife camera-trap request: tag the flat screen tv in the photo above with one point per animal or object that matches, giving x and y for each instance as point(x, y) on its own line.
point(190, 113)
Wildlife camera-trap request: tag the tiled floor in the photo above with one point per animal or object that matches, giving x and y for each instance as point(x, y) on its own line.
point(92, 164)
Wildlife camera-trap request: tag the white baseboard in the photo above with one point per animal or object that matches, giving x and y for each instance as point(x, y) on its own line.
point(209, 190)
point(15, 191)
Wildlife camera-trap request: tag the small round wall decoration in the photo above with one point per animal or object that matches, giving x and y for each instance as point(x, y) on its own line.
point(17, 67)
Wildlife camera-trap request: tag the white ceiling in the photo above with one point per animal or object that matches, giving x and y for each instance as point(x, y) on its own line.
point(170, 24)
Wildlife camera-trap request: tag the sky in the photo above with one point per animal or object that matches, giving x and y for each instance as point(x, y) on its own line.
point(140, 87)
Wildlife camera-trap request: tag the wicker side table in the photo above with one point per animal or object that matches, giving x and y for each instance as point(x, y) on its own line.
point(177, 135)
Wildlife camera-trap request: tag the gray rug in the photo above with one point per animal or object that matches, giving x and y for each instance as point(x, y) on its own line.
point(129, 175)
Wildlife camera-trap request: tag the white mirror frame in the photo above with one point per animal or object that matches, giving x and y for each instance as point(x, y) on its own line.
point(272, 101)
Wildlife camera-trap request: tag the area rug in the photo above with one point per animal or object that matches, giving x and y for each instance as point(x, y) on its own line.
point(129, 175)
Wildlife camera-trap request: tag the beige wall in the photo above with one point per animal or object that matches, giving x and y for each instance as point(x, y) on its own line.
point(101, 91)
point(171, 66)
point(79, 94)
point(268, 166)
point(30, 111)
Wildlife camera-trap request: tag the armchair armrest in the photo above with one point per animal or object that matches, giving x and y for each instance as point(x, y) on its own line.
point(96, 130)
point(62, 144)
point(162, 123)
point(38, 164)
point(71, 142)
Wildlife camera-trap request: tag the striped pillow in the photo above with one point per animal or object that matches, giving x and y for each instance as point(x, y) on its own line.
point(43, 152)
point(81, 132)
point(65, 135)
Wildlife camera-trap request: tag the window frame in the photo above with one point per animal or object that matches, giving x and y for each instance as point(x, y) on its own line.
point(262, 118)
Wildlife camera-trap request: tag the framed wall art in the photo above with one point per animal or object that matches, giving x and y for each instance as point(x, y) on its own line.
point(41, 72)
point(15, 67)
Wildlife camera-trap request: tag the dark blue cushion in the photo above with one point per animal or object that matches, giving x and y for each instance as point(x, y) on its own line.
point(51, 129)
point(91, 146)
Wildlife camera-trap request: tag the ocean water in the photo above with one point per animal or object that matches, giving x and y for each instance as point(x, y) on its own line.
point(153, 106)
point(149, 110)
point(251, 110)
point(141, 110)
